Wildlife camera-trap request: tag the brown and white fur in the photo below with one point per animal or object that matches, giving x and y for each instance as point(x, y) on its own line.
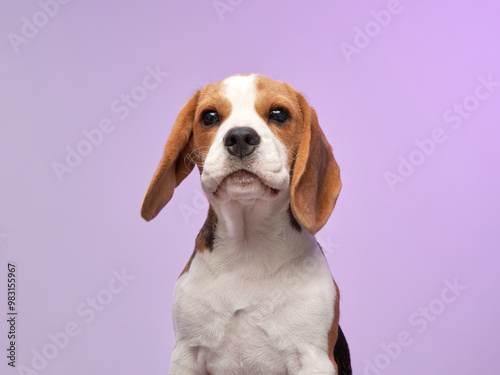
point(257, 295)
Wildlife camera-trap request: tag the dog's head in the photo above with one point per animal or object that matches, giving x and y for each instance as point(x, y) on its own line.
point(252, 138)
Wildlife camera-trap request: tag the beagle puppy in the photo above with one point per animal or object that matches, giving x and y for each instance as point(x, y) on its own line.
point(257, 296)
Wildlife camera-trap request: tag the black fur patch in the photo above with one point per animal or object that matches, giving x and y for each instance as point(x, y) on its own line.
point(293, 221)
point(342, 355)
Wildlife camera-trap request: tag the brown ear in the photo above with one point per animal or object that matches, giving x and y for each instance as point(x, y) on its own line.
point(174, 165)
point(316, 175)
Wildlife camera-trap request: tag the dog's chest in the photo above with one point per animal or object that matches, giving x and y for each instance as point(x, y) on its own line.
point(240, 322)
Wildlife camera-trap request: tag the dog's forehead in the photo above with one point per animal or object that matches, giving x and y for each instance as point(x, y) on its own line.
point(246, 89)
point(240, 89)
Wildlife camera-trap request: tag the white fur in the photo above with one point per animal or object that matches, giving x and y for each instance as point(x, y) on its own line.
point(261, 302)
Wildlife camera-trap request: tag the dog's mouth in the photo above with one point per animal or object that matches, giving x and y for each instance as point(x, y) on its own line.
point(242, 182)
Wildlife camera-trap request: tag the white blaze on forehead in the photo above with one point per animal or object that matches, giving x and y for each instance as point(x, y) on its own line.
point(241, 91)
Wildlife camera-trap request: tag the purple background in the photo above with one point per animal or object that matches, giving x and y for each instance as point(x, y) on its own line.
point(391, 251)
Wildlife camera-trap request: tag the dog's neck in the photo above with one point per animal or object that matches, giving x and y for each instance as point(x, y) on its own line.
point(258, 235)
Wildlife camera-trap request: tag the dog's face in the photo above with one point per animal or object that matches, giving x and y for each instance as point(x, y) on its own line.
point(252, 138)
point(256, 126)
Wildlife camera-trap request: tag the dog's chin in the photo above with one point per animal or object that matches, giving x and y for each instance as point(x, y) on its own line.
point(243, 186)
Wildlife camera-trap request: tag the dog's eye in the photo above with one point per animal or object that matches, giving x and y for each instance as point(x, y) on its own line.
point(279, 115)
point(210, 117)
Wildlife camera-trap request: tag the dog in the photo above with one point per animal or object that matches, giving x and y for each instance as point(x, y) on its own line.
point(256, 296)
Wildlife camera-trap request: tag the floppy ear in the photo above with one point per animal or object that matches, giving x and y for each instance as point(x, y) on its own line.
point(174, 165)
point(316, 175)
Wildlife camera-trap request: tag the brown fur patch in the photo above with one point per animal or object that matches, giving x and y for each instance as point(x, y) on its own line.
point(188, 265)
point(211, 98)
point(171, 172)
point(333, 333)
point(316, 176)
point(273, 94)
point(206, 236)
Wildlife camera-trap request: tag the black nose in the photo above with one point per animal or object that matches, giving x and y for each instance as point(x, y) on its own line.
point(241, 142)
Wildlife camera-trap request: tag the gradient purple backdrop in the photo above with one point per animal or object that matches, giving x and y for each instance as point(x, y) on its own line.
point(380, 92)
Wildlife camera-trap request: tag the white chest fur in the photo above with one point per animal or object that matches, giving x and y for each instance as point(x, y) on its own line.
point(259, 314)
